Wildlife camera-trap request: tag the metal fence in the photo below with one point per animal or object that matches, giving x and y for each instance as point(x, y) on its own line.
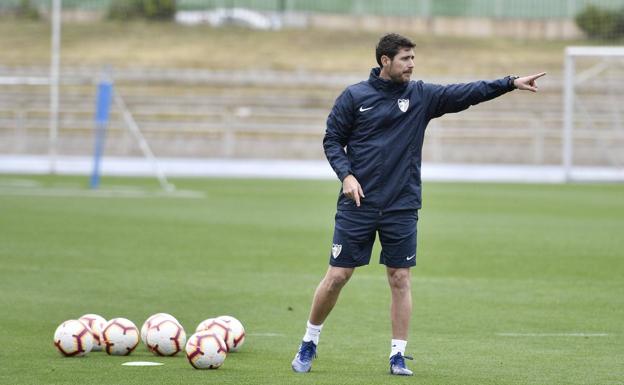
point(526, 9)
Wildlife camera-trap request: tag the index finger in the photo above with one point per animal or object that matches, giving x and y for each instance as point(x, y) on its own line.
point(537, 76)
point(356, 198)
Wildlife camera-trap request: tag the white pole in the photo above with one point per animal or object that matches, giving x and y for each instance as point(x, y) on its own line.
point(54, 82)
point(568, 113)
point(147, 151)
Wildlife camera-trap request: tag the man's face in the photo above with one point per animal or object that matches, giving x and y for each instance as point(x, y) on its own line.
point(399, 69)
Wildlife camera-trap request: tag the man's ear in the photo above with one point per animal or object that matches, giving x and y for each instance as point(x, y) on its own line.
point(385, 60)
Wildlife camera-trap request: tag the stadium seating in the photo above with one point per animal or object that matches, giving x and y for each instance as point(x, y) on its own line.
point(251, 119)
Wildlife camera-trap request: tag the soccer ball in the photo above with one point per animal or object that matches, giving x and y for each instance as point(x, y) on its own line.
point(152, 320)
point(96, 324)
point(120, 337)
point(237, 332)
point(218, 327)
point(206, 350)
point(73, 338)
point(166, 337)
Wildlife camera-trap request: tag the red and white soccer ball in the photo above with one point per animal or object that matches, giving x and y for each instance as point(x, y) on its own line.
point(206, 350)
point(73, 338)
point(218, 327)
point(120, 337)
point(96, 324)
point(237, 332)
point(152, 320)
point(166, 337)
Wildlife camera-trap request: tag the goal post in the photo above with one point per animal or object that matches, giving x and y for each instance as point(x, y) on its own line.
point(593, 113)
point(55, 64)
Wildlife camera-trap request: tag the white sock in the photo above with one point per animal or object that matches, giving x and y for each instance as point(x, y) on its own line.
point(398, 346)
point(312, 333)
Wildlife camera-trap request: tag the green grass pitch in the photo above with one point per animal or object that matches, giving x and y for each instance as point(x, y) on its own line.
point(515, 284)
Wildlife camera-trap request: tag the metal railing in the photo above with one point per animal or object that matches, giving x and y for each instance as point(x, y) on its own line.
point(527, 9)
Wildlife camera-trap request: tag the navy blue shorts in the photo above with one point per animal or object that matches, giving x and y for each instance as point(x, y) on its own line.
point(355, 231)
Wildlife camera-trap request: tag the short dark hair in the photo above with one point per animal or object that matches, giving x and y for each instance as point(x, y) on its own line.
point(390, 45)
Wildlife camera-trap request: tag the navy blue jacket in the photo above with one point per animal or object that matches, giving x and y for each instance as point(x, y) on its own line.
point(381, 124)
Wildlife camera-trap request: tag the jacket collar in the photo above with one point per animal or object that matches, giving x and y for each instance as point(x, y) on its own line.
point(384, 85)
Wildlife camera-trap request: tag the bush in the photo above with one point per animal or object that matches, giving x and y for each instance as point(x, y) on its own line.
point(145, 9)
point(159, 9)
point(125, 9)
point(26, 10)
point(600, 23)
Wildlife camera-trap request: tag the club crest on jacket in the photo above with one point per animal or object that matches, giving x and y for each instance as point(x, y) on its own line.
point(403, 104)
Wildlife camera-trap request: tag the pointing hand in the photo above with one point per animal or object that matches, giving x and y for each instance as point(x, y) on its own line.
point(528, 82)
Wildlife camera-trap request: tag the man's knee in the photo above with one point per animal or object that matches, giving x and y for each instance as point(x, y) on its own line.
point(399, 279)
point(337, 277)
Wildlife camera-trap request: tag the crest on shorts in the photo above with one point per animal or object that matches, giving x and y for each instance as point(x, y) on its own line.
point(336, 249)
point(403, 104)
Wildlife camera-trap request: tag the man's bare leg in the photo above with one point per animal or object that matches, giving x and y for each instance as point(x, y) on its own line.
point(400, 314)
point(327, 293)
point(325, 298)
point(401, 308)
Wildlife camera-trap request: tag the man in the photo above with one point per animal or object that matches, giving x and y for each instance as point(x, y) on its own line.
point(381, 124)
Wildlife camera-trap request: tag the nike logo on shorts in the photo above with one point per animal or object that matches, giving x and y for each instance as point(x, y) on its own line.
point(410, 258)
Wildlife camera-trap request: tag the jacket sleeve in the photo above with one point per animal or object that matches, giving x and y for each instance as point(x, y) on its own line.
point(458, 97)
point(339, 128)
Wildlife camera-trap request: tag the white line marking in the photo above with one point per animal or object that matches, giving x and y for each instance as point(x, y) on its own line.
point(141, 363)
point(552, 334)
point(116, 193)
point(19, 183)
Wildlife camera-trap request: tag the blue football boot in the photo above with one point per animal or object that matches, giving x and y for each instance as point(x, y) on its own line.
point(302, 363)
point(397, 365)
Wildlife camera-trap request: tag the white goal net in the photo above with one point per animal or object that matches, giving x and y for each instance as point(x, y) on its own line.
point(593, 129)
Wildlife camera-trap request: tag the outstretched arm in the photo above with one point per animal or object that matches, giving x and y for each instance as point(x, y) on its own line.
point(458, 97)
